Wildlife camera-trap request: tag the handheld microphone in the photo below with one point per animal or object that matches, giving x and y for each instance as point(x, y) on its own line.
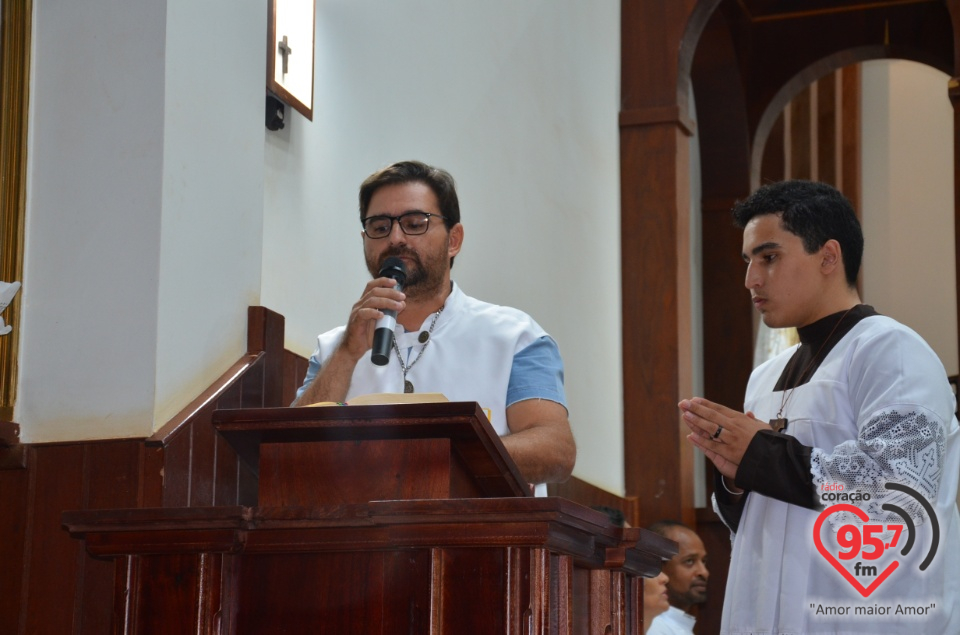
point(392, 268)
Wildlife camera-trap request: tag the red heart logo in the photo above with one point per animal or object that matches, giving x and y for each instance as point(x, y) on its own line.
point(843, 507)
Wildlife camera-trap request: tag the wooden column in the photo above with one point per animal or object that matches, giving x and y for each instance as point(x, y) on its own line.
point(655, 208)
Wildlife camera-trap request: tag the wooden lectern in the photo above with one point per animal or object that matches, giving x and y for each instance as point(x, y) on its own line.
point(374, 519)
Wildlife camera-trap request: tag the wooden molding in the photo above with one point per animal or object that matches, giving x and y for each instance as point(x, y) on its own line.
point(14, 100)
point(9, 434)
point(218, 388)
point(592, 496)
point(658, 115)
point(264, 346)
point(14, 458)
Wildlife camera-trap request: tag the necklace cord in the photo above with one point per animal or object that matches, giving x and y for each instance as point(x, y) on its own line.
point(788, 393)
point(403, 367)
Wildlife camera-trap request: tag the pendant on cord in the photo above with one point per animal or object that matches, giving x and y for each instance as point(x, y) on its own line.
point(779, 424)
point(407, 385)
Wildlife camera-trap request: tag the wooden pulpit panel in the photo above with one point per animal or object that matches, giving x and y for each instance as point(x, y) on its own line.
point(191, 602)
point(355, 454)
point(353, 592)
point(306, 474)
point(449, 567)
point(441, 591)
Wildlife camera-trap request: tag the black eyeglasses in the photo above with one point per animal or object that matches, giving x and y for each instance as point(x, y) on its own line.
point(412, 224)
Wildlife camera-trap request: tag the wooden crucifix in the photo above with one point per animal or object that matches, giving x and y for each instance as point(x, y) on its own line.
point(285, 52)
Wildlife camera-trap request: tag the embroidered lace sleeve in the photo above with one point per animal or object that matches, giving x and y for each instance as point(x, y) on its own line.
point(904, 409)
point(903, 444)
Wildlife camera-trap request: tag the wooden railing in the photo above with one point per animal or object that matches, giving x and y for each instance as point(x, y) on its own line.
point(592, 496)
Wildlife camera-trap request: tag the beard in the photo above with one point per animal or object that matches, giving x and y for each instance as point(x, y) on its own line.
point(426, 274)
point(690, 597)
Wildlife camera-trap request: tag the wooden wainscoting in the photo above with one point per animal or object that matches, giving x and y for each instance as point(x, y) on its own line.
point(48, 583)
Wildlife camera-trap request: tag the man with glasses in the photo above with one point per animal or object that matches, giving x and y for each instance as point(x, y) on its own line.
point(445, 341)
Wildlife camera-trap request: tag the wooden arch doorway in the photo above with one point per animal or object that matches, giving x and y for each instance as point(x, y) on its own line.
point(742, 60)
point(770, 53)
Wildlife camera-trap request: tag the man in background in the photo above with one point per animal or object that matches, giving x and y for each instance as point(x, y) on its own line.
point(687, 584)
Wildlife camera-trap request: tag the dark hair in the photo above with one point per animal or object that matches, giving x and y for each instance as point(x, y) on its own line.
point(436, 179)
point(816, 212)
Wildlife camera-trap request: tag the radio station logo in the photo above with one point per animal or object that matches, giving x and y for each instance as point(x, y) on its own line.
point(865, 554)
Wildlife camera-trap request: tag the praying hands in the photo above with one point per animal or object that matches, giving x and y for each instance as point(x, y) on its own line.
point(722, 433)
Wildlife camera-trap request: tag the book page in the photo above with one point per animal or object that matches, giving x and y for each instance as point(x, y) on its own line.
point(383, 398)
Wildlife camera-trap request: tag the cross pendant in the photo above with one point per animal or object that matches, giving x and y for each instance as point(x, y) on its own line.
point(779, 424)
point(285, 51)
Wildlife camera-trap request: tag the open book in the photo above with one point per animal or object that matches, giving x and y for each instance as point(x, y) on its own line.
point(383, 398)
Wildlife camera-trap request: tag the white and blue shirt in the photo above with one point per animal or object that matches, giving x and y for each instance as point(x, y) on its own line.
point(493, 355)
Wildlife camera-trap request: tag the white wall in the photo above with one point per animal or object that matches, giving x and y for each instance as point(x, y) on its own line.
point(519, 101)
point(145, 145)
point(211, 235)
point(907, 201)
point(89, 321)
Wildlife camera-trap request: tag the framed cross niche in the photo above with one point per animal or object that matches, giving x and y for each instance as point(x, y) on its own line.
point(290, 44)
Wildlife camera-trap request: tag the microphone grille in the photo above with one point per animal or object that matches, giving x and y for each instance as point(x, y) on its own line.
point(394, 268)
